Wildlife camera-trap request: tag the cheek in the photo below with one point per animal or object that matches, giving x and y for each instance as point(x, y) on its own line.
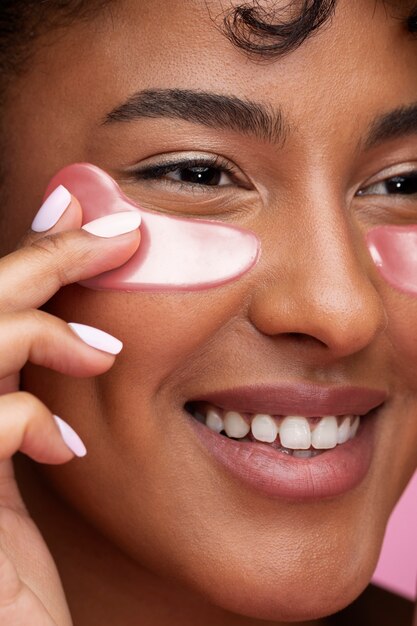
point(402, 334)
point(162, 333)
point(394, 251)
point(398, 357)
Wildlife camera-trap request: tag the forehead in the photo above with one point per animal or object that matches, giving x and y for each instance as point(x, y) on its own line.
point(149, 45)
point(359, 65)
point(362, 60)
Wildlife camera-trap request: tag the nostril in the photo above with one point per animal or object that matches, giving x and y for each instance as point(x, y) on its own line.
point(304, 338)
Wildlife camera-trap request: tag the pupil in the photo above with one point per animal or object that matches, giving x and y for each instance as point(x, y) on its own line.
point(201, 175)
point(402, 185)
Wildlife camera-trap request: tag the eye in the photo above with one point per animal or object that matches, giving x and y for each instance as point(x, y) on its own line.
point(402, 185)
point(200, 175)
point(191, 184)
point(203, 172)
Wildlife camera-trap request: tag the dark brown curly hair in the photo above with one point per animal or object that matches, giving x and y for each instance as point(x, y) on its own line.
point(260, 29)
point(265, 31)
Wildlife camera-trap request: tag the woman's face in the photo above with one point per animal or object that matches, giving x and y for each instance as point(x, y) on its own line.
point(313, 317)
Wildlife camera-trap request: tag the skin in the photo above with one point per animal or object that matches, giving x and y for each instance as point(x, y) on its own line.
point(174, 539)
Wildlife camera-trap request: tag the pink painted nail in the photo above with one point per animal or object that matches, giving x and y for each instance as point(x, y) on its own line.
point(114, 225)
point(52, 209)
point(70, 437)
point(97, 338)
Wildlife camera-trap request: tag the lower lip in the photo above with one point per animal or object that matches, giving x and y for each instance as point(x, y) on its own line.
point(277, 475)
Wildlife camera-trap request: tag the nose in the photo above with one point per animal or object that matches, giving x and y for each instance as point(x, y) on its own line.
point(316, 284)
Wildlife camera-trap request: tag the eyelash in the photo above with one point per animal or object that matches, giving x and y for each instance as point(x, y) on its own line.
point(158, 171)
point(399, 180)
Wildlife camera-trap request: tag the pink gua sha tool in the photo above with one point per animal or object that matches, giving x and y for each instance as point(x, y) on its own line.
point(175, 254)
point(394, 251)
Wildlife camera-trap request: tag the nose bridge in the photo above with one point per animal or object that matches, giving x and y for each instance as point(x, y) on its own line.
point(318, 284)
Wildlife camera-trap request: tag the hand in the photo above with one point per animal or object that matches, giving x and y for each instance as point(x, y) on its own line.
point(30, 588)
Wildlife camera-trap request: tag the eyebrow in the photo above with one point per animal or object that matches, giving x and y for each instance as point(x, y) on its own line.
point(206, 108)
point(395, 124)
point(244, 116)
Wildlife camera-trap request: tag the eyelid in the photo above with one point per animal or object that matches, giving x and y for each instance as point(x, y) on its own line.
point(183, 164)
point(402, 169)
point(191, 159)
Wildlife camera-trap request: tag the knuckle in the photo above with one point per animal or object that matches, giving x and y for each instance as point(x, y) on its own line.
point(47, 246)
point(32, 326)
point(61, 253)
point(29, 405)
point(34, 317)
point(41, 335)
point(52, 254)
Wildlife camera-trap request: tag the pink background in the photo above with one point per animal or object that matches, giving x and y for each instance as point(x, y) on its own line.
point(397, 566)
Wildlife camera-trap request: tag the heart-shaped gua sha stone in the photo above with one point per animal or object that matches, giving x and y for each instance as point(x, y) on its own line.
point(175, 254)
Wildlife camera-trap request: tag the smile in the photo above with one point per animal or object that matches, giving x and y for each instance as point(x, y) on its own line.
point(298, 436)
point(293, 441)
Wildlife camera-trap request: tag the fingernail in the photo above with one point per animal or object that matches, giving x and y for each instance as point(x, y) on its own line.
point(97, 338)
point(52, 209)
point(70, 437)
point(114, 224)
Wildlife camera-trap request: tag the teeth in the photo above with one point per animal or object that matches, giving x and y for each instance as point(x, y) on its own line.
point(325, 434)
point(344, 431)
point(235, 426)
point(354, 427)
point(295, 433)
point(214, 421)
point(264, 428)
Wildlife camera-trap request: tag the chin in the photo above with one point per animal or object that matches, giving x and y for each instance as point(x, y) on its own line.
point(292, 594)
point(287, 604)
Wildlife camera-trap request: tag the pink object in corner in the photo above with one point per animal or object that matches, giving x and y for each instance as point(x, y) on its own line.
point(397, 566)
point(394, 251)
point(175, 254)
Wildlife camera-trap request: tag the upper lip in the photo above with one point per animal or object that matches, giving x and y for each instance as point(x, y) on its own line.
point(297, 399)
